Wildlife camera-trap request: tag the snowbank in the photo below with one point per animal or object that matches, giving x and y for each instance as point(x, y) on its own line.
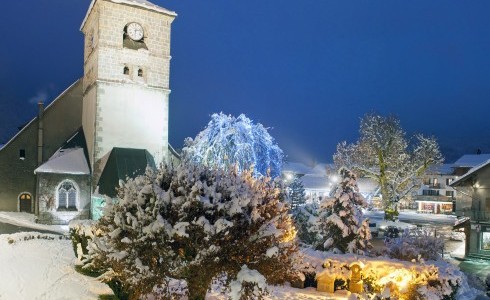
point(42, 268)
point(29, 220)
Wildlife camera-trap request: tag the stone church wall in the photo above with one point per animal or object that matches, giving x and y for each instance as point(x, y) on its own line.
point(62, 119)
point(48, 186)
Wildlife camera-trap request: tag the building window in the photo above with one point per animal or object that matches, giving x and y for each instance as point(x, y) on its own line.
point(430, 192)
point(448, 181)
point(67, 195)
point(126, 70)
point(140, 72)
point(22, 154)
point(485, 241)
point(450, 194)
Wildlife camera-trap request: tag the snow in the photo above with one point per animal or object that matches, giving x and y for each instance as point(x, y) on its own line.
point(140, 3)
point(66, 161)
point(29, 220)
point(471, 160)
point(43, 269)
point(471, 171)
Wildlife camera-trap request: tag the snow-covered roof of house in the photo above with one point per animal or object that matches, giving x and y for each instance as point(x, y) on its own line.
point(443, 169)
point(470, 172)
point(312, 182)
point(319, 169)
point(471, 160)
point(73, 86)
point(66, 161)
point(140, 3)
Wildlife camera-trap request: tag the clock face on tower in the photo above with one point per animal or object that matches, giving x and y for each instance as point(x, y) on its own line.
point(135, 31)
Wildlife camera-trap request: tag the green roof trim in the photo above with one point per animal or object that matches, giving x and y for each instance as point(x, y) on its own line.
point(123, 163)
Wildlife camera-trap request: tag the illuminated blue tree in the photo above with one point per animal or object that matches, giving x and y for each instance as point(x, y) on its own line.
point(228, 142)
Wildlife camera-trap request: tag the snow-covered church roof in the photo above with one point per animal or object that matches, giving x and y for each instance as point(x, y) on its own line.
point(140, 3)
point(66, 161)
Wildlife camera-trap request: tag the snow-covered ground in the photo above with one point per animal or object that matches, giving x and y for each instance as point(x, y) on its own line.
point(414, 217)
point(42, 269)
point(29, 221)
point(45, 268)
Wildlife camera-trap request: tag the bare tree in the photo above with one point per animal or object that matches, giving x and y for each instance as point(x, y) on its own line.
point(384, 154)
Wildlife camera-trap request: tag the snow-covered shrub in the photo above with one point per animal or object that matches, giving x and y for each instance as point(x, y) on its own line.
point(229, 143)
point(340, 222)
point(415, 244)
point(81, 232)
point(193, 224)
point(249, 284)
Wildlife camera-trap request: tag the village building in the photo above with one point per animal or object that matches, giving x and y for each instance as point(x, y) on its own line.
point(473, 207)
point(107, 126)
point(435, 195)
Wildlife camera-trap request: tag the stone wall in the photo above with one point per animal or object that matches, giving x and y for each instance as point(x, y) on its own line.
point(48, 186)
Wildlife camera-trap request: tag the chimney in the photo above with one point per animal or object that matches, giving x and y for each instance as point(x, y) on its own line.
point(40, 133)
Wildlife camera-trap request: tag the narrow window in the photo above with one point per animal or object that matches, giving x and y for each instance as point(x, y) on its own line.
point(126, 70)
point(140, 73)
point(22, 154)
point(67, 196)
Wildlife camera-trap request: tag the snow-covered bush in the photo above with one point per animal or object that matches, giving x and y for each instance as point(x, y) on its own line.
point(193, 224)
point(249, 284)
point(340, 222)
point(235, 143)
point(81, 232)
point(415, 244)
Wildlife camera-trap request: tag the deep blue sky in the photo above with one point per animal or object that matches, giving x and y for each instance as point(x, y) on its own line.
point(307, 69)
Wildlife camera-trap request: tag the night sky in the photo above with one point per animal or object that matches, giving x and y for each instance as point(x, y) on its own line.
point(306, 69)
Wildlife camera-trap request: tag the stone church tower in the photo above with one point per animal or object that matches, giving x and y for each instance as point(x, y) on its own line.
point(126, 79)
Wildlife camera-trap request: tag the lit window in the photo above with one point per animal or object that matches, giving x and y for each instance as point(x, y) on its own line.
point(67, 196)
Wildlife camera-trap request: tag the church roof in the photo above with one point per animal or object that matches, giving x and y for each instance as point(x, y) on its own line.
point(140, 3)
point(121, 164)
point(66, 161)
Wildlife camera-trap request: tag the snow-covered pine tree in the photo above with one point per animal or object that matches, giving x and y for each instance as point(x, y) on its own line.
point(228, 143)
point(193, 224)
point(296, 193)
point(339, 221)
point(305, 218)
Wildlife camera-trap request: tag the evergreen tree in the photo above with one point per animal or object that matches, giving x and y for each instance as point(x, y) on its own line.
point(296, 192)
point(229, 143)
point(305, 219)
point(340, 221)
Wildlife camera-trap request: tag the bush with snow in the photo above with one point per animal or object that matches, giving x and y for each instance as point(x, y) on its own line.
point(415, 244)
point(235, 143)
point(192, 224)
point(340, 222)
point(249, 284)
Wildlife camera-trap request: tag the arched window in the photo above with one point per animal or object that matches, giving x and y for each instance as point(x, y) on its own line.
point(126, 70)
point(67, 195)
